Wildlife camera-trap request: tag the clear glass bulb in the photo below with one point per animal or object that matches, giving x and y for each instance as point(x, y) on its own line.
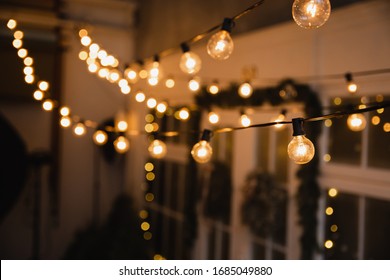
point(202, 151)
point(311, 13)
point(300, 149)
point(100, 137)
point(190, 63)
point(356, 122)
point(245, 90)
point(157, 149)
point(220, 46)
point(121, 144)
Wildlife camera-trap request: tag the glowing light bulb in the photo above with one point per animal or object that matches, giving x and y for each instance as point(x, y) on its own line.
point(194, 84)
point(29, 79)
point(356, 122)
point(213, 117)
point(131, 74)
point(157, 149)
point(28, 70)
point(38, 95)
point(121, 144)
point(103, 73)
point(190, 62)
point(86, 40)
point(114, 76)
point(300, 149)
point(100, 137)
point(11, 24)
point(220, 46)
point(184, 114)
point(79, 129)
point(170, 82)
point(213, 88)
point(28, 61)
point(162, 107)
point(65, 121)
point(245, 90)
point(245, 120)
point(126, 89)
point(151, 103)
point(22, 53)
point(48, 105)
point(64, 111)
point(202, 151)
point(311, 13)
point(140, 96)
point(43, 85)
point(351, 85)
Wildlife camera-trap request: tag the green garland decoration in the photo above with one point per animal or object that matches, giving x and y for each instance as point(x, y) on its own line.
point(286, 92)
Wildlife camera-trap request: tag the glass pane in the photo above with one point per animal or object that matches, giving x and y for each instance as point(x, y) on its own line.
point(342, 226)
point(282, 139)
point(377, 229)
point(262, 148)
point(379, 140)
point(344, 145)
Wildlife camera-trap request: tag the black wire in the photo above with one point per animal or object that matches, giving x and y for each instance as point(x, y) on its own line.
point(200, 36)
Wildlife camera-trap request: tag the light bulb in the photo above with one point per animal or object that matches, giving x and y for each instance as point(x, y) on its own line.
point(114, 76)
point(300, 149)
point(351, 85)
point(48, 105)
point(245, 90)
point(194, 84)
point(28, 61)
point(151, 103)
point(79, 129)
point(184, 114)
point(157, 149)
point(22, 53)
point(140, 96)
point(245, 120)
point(213, 88)
point(121, 144)
point(311, 13)
point(65, 121)
point(100, 137)
point(43, 85)
point(220, 46)
point(190, 62)
point(17, 43)
point(162, 107)
point(64, 111)
point(38, 95)
point(11, 24)
point(202, 151)
point(170, 82)
point(356, 122)
point(213, 117)
point(86, 40)
point(131, 73)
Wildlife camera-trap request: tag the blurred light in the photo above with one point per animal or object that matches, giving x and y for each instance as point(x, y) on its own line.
point(11, 24)
point(386, 127)
point(328, 123)
point(328, 244)
point(334, 228)
point(140, 96)
point(121, 144)
point(17, 43)
point(38, 95)
point(327, 157)
point(43, 85)
point(65, 121)
point(147, 235)
point(375, 120)
point(151, 103)
point(329, 211)
point(86, 40)
point(28, 70)
point(149, 118)
point(332, 192)
point(149, 197)
point(162, 107)
point(22, 53)
point(79, 129)
point(83, 55)
point(149, 166)
point(213, 117)
point(29, 79)
point(18, 34)
point(337, 101)
point(64, 111)
point(83, 32)
point(28, 61)
point(194, 84)
point(150, 176)
point(170, 83)
point(184, 114)
point(145, 226)
point(143, 214)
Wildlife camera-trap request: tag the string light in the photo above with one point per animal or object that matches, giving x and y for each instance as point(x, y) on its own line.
point(356, 122)
point(79, 129)
point(48, 105)
point(100, 137)
point(213, 88)
point(157, 149)
point(194, 84)
point(311, 13)
point(162, 107)
point(43, 85)
point(11, 24)
point(151, 103)
point(245, 90)
point(245, 120)
point(22, 53)
point(170, 82)
point(131, 73)
point(140, 96)
point(300, 149)
point(184, 114)
point(220, 46)
point(202, 151)
point(351, 85)
point(190, 62)
point(65, 121)
point(121, 144)
point(213, 118)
